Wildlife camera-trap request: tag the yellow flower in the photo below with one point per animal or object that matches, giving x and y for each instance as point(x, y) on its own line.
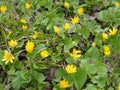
point(56, 30)
point(113, 31)
point(8, 57)
point(29, 46)
point(75, 54)
point(66, 26)
point(107, 51)
point(73, 42)
point(44, 53)
point(23, 21)
point(35, 35)
point(24, 27)
point(119, 86)
point(66, 4)
point(27, 5)
point(8, 35)
point(64, 84)
point(3, 9)
point(80, 10)
point(70, 69)
point(93, 44)
point(104, 36)
point(12, 43)
point(116, 4)
point(75, 20)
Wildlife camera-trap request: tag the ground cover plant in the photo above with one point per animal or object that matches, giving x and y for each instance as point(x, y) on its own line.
point(59, 45)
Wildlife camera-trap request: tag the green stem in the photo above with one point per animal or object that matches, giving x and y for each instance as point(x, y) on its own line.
point(3, 34)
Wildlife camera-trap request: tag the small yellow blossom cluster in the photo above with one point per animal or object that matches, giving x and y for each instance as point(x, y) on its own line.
point(107, 51)
point(27, 5)
point(8, 57)
point(66, 26)
point(66, 4)
point(57, 30)
point(113, 31)
point(75, 54)
point(23, 21)
point(74, 42)
point(3, 9)
point(104, 36)
point(13, 43)
point(44, 54)
point(29, 46)
point(70, 69)
point(117, 4)
point(35, 35)
point(64, 84)
point(75, 19)
point(80, 10)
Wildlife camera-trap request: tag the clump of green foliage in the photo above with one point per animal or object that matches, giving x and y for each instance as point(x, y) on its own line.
point(59, 44)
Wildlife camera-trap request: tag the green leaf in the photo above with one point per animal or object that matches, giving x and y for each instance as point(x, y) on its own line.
point(91, 69)
point(93, 53)
point(60, 73)
point(110, 88)
point(1, 56)
point(85, 32)
point(2, 87)
point(90, 87)
point(99, 80)
point(49, 4)
point(116, 70)
point(80, 78)
point(20, 78)
point(67, 44)
point(42, 2)
point(37, 75)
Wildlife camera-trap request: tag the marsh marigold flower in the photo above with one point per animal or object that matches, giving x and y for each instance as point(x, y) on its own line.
point(3, 9)
point(107, 51)
point(66, 4)
point(104, 36)
point(8, 35)
point(116, 4)
point(113, 31)
point(119, 86)
point(24, 27)
point(66, 26)
point(74, 42)
point(29, 46)
point(13, 43)
point(35, 35)
point(27, 5)
point(70, 69)
point(8, 57)
point(75, 20)
point(64, 84)
point(56, 30)
point(44, 53)
point(75, 54)
point(80, 10)
point(23, 21)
